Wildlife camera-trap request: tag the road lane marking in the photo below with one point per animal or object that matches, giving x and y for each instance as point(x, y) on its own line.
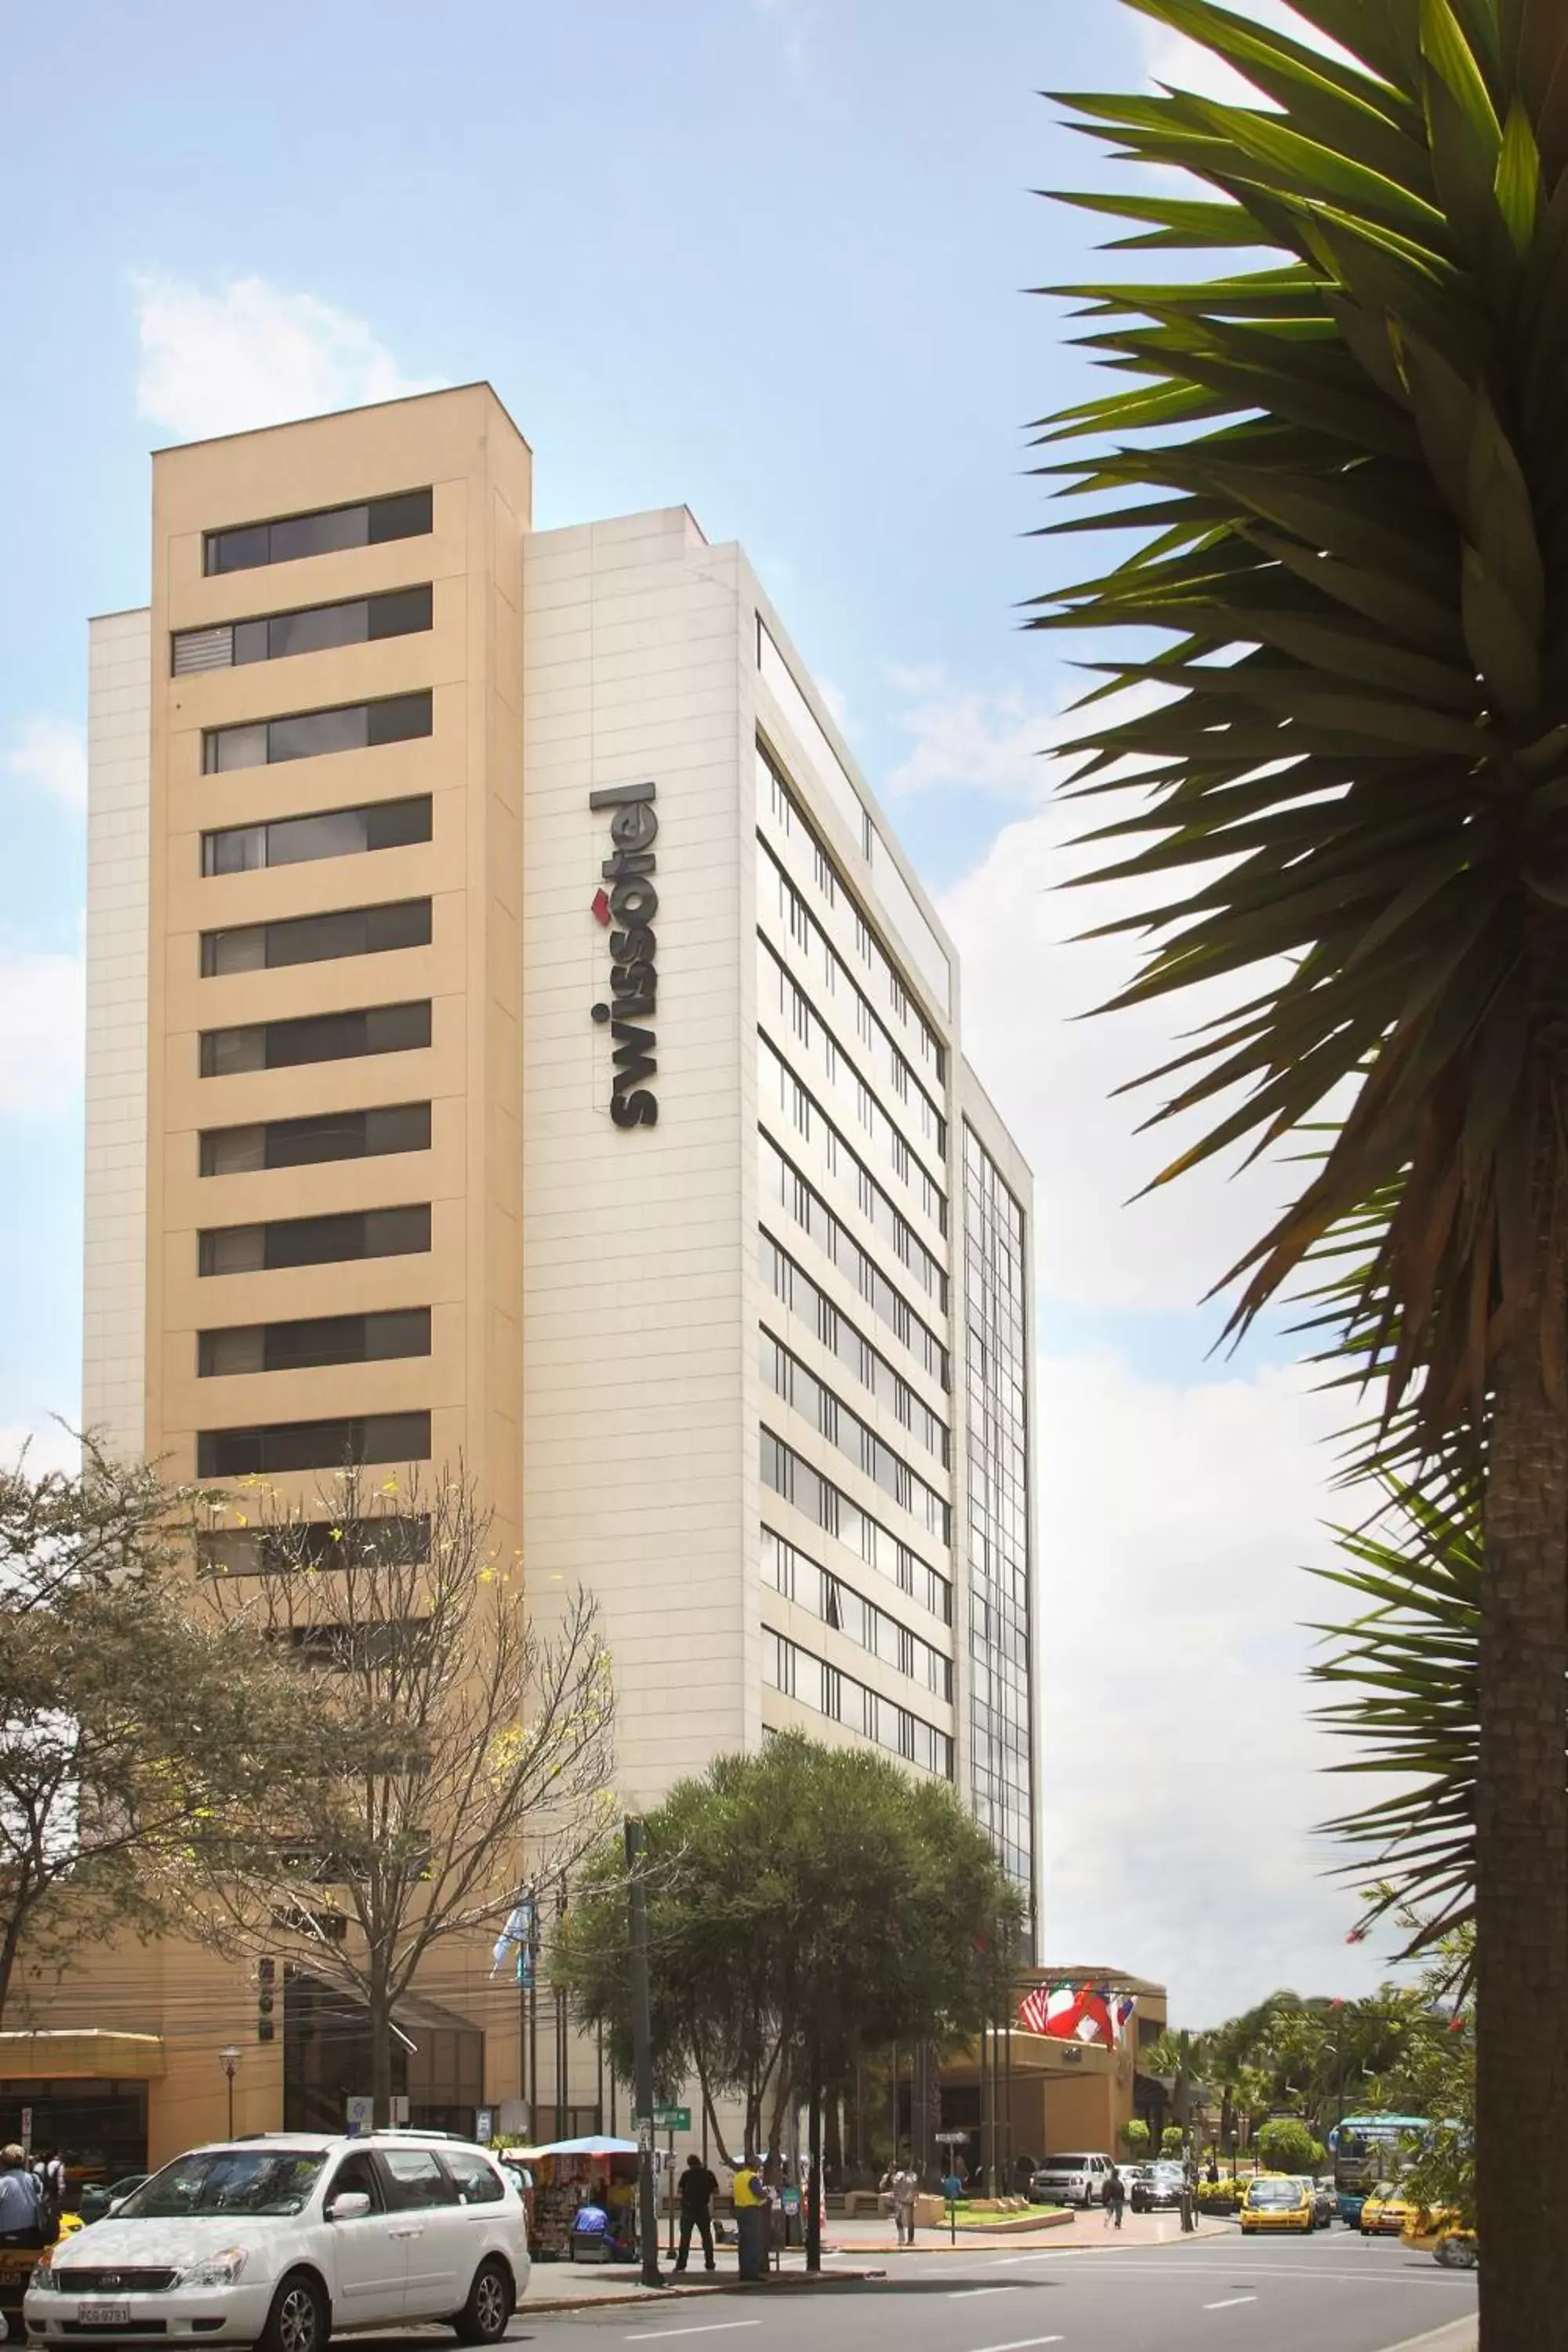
point(715, 2328)
point(1230, 2303)
point(1020, 2344)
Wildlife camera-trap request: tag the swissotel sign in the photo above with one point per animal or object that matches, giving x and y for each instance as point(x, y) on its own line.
point(626, 907)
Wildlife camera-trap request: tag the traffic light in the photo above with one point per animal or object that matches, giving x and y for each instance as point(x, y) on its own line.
point(266, 1997)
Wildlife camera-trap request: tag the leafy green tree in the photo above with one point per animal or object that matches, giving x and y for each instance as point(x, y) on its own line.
point(1347, 471)
point(807, 1906)
point(129, 1719)
point(1285, 2144)
point(1171, 2140)
point(1134, 2136)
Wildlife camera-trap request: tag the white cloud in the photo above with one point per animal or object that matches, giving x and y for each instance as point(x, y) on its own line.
point(1181, 1779)
point(46, 1447)
point(49, 756)
point(1028, 982)
point(791, 18)
point(966, 740)
point(253, 355)
point(42, 1013)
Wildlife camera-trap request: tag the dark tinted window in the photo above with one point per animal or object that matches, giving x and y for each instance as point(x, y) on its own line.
point(313, 629)
point(317, 939)
point(319, 1340)
point(328, 1135)
point(316, 1240)
point(312, 1543)
point(405, 516)
point(334, 833)
point(316, 1038)
point(313, 1445)
point(357, 2176)
point(315, 734)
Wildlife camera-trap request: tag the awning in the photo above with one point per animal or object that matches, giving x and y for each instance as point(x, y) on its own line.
point(86, 2052)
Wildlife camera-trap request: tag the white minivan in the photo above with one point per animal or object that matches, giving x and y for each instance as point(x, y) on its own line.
point(286, 2239)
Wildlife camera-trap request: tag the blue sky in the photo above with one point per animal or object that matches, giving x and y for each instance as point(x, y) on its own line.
point(765, 256)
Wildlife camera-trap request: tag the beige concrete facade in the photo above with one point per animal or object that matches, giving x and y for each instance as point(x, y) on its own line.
point(714, 1368)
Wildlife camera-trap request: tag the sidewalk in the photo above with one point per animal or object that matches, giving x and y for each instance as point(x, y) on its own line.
point(851, 2250)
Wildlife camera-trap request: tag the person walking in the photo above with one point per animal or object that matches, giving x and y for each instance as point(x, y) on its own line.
point(698, 2190)
point(20, 2202)
point(1115, 2200)
point(903, 2187)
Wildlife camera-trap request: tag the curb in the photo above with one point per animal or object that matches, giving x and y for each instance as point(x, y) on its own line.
point(792, 2282)
point(1457, 2336)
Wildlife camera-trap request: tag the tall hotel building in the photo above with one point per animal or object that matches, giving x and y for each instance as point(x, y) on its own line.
point(516, 1035)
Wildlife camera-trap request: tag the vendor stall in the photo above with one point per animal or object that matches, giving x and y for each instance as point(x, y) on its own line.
point(585, 2198)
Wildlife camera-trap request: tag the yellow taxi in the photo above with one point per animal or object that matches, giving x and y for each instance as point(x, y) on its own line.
point(1385, 2211)
point(16, 2268)
point(1278, 2202)
point(1444, 2236)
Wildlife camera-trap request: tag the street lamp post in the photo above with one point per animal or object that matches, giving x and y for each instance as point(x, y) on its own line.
point(228, 2059)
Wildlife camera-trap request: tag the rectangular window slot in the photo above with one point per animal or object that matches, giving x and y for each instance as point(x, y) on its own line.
point(315, 1037)
point(317, 939)
point(324, 532)
point(316, 734)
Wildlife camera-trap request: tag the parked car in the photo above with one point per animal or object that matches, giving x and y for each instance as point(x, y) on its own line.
point(1070, 2181)
point(279, 2240)
point(1160, 2190)
point(94, 2198)
point(1278, 2202)
point(1325, 2203)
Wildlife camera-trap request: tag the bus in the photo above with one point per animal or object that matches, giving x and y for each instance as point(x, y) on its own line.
point(1367, 2149)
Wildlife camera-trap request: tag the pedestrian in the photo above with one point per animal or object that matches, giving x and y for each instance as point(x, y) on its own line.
point(1115, 2198)
point(750, 2191)
point(698, 2190)
point(20, 2203)
point(50, 2172)
point(903, 2187)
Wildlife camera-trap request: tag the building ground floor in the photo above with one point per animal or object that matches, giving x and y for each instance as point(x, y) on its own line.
point(134, 2052)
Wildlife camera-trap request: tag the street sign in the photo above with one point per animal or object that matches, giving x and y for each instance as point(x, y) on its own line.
point(952, 2138)
point(359, 2112)
point(672, 2119)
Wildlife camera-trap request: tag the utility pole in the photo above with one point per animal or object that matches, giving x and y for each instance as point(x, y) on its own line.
point(642, 2056)
point(814, 2180)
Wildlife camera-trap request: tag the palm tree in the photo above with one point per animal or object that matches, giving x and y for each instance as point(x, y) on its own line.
point(1347, 469)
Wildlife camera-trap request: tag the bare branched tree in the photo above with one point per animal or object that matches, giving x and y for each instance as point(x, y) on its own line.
point(469, 1753)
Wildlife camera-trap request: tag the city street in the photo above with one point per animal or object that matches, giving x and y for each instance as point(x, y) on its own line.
point(1260, 2296)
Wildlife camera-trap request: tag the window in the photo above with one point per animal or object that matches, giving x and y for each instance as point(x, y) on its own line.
point(299, 840)
point(323, 532)
point(315, 1240)
point(315, 1037)
point(399, 1537)
point(313, 1445)
point(305, 1142)
point(321, 1340)
point(417, 2179)
point(478, 2183)
point(313, 734)
point(317, 939)
point(357, 2176)
point(315, 629)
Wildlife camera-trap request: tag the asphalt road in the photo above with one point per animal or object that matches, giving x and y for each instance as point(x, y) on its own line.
point(1219, 2296)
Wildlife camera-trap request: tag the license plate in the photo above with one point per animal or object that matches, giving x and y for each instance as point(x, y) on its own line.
point(103, 2315)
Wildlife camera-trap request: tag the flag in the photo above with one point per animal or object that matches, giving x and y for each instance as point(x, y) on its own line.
point(1122, 2015)
point(519, 1929)
point(1069, 2013)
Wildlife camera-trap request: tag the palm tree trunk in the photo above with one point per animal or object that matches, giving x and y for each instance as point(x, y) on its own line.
point(1521, 1811)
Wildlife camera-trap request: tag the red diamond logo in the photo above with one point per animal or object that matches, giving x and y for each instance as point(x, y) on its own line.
point(601, 906)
